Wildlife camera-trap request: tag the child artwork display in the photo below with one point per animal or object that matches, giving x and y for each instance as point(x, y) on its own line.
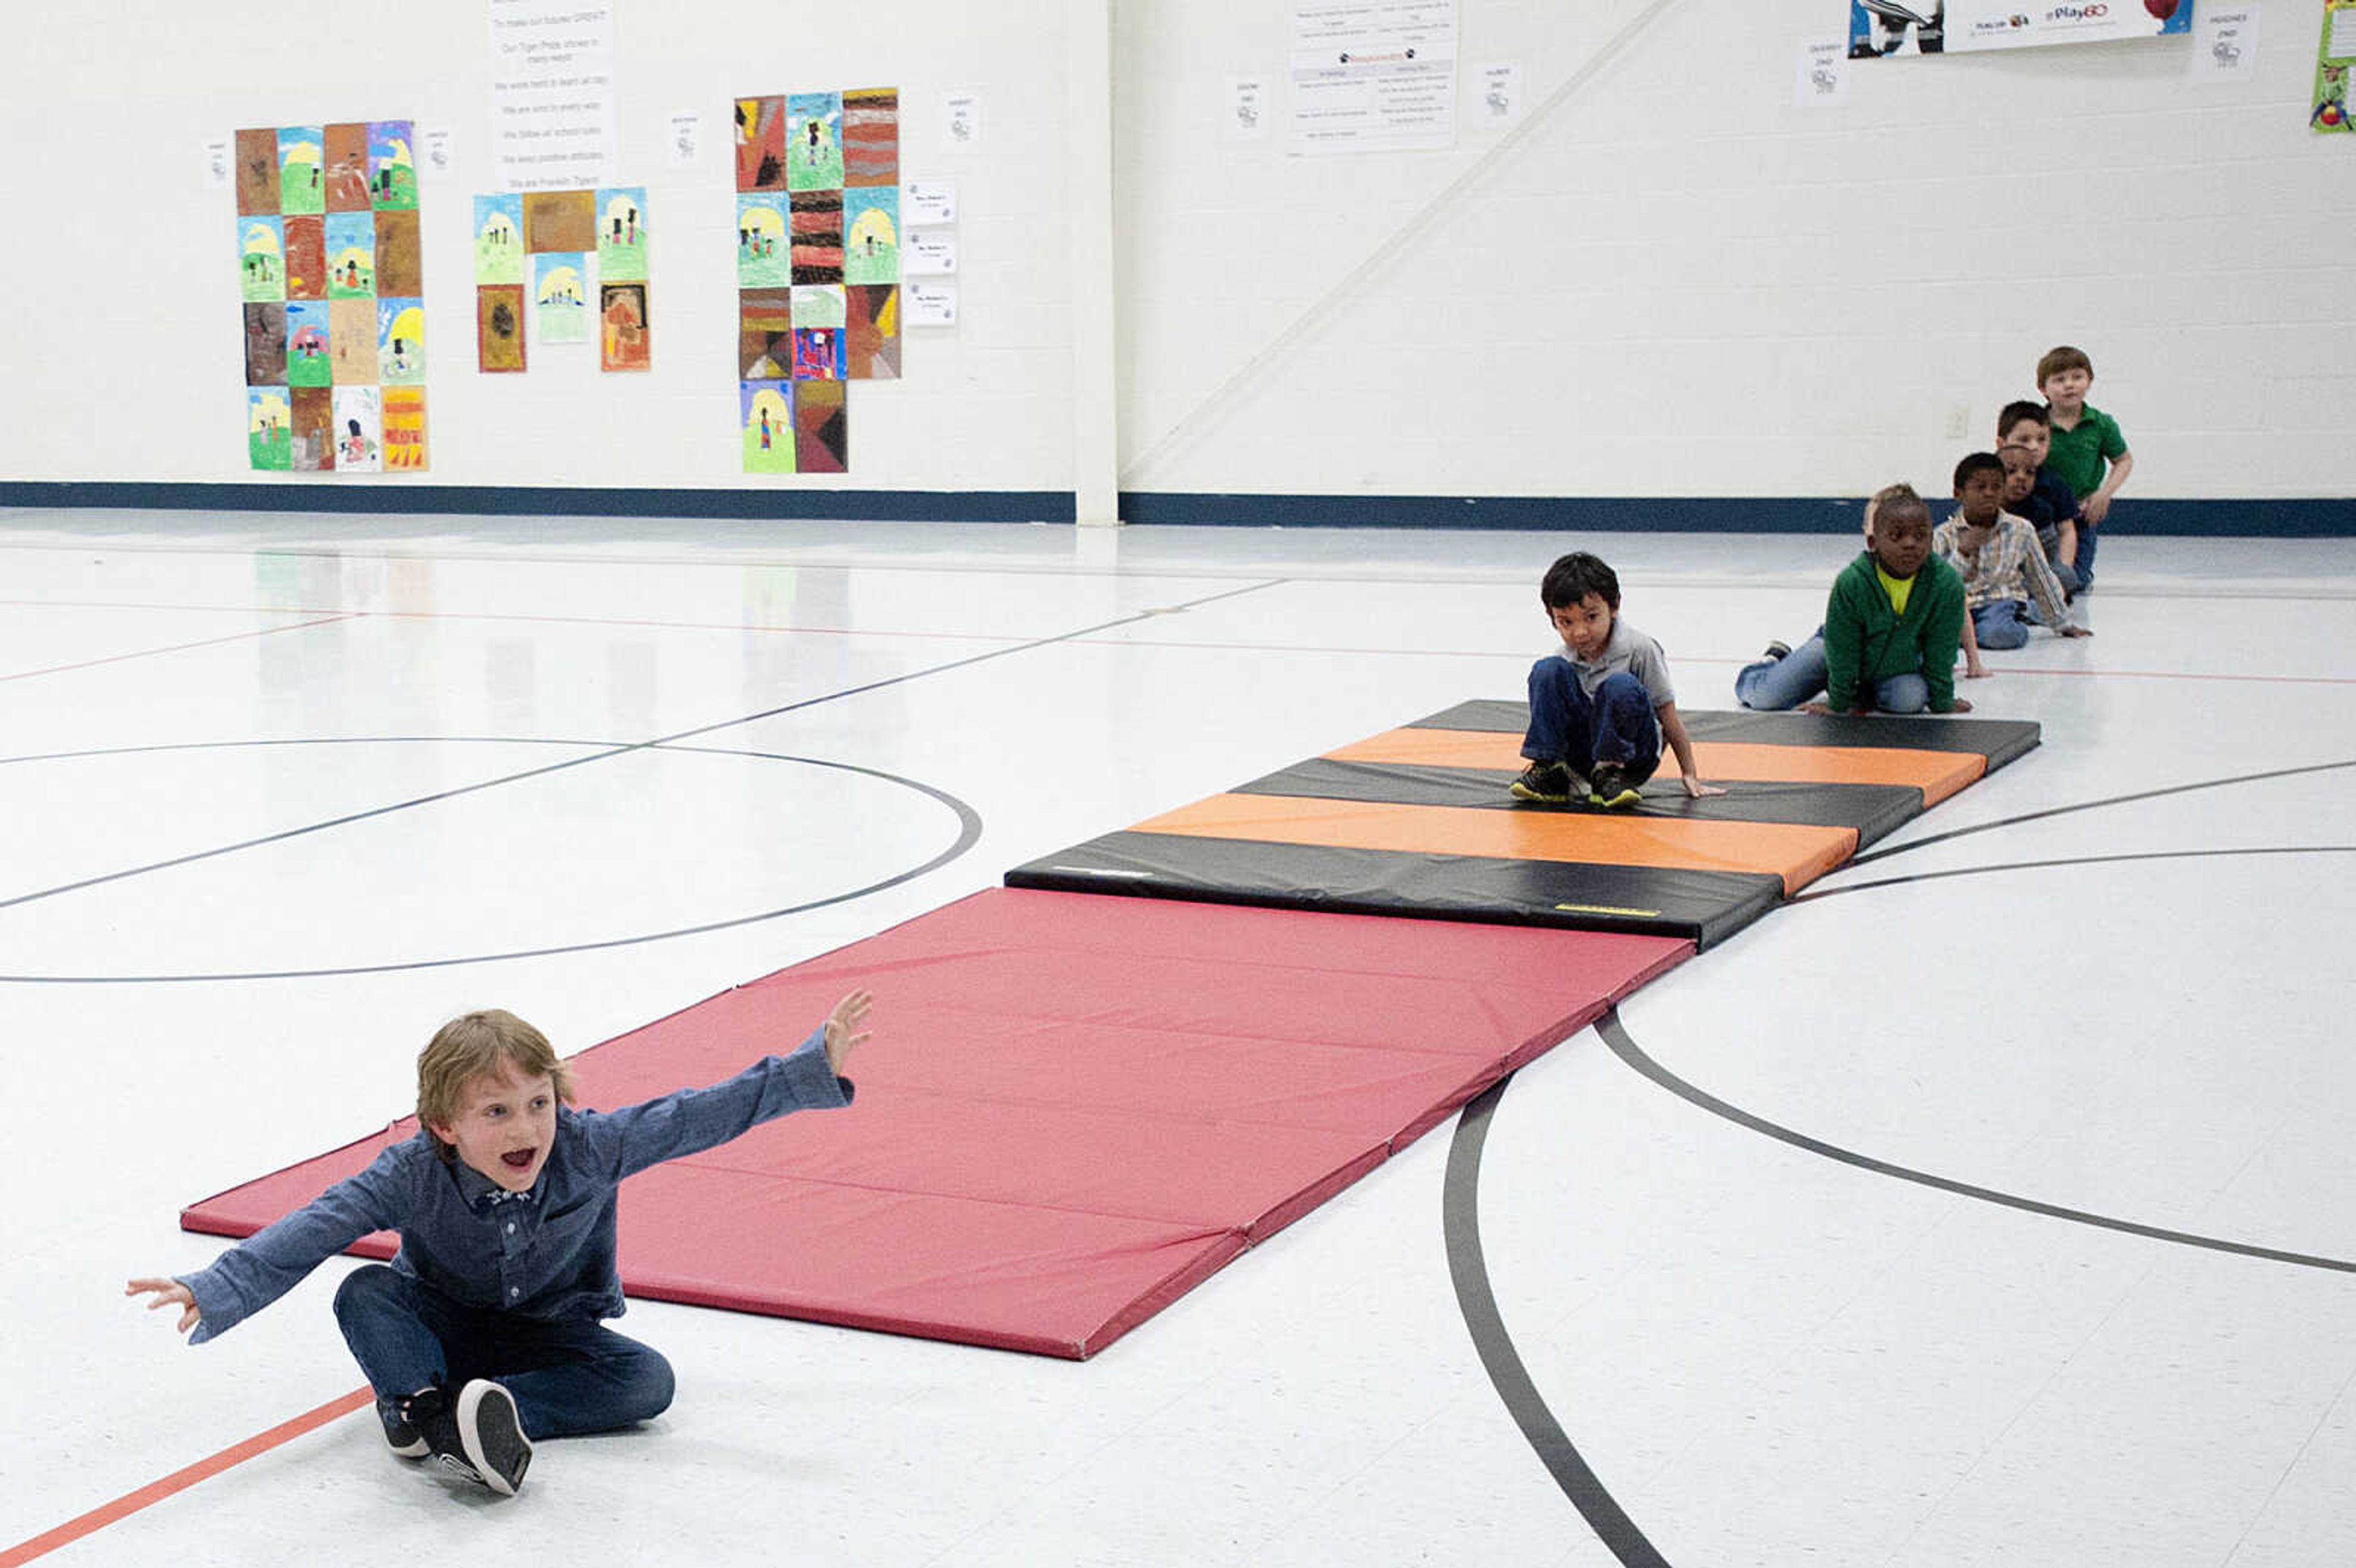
point(537, 248)
point(766, 410)
point(818, 269)
point(401, 342)
point(404, 429)
point(814, 141)
point(498, 327)
point(2334, 57)
point(622, 235)
point(301, 172)
point(498, 239)
point(560, 299)
point(871, 235)
point(332, 275)
point(307, 344)
point(352, 256)
point(359, 429)
point(307, 258)
point(622, 342)
point(262, 258)
point(392, 172)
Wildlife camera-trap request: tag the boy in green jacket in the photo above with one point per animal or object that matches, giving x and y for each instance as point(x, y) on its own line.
point(1891, 628)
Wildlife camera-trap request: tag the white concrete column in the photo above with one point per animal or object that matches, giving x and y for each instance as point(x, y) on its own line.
point(1095, 416)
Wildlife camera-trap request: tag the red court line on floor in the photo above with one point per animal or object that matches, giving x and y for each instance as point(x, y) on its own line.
point(123, 1506)
point(175, 648)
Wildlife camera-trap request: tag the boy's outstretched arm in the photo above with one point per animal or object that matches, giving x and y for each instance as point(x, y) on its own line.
point(167, 1292)
point(1674, 728)
point(846, 1029)
point(2096, 507)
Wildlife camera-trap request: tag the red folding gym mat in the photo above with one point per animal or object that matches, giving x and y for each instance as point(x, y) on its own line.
point(1076, 1107)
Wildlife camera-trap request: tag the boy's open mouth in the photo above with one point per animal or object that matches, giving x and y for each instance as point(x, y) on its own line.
point(519, 1160)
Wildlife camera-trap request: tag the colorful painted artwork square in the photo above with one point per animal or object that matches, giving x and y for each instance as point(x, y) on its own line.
point(313, 449)
point(269, 429)
point(301, 171)
point(814, 141)
point(821, 428)
point(760, 143)
point(622, 343)
point(262, 258)
point(766, 413)
point(817, 353)
point(399, 261)
point(559, 221)
point(351, 343)
point(346, 153)
point(265, 345)
point(352, 256)
point(400, 341)
point(498, 239)
point(872, 333)
point(404, 429)
point(560, 298)
point(818, 236)
point(871, 235)
point(498, 327)
point(257, 171)
point(870, 137)
point(622, 234)
point(765, 334)
point(307, 361)
point(359, 429)
point(307, 258)
point(391, 169)
point(762, 258)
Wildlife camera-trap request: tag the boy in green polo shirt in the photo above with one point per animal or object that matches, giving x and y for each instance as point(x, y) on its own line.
point(2086, 441)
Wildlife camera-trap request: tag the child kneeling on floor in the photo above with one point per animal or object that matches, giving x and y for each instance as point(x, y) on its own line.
point(1601, 704)
point(1892, 625)
point(484, 1333)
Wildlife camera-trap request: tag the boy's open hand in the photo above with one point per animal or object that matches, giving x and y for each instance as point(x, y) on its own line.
point(167, 1292)
point(2075, 631)
point(1695, 789)
point(846, 1029)
point(1974, 670)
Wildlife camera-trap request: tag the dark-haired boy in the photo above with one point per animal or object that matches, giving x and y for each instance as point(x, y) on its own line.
point(1600, 705)
point(2003, 567)
point(2046, 505)
point(2089, 452)
point(1892, 623)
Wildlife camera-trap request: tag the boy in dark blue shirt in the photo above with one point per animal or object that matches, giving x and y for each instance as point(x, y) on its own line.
point(2045, 502)
point(485, 1332)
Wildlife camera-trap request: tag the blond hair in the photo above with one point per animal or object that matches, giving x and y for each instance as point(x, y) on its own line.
point(478, 1045)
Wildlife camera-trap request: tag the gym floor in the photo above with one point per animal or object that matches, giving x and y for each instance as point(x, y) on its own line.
point(1989, 1205)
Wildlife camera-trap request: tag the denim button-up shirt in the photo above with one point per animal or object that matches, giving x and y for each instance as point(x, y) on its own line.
point(548, 1251)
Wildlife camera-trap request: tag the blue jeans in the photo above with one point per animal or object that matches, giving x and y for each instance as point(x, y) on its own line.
point(2050, 536)
point(2087, 535)
point(2001, 625)
point(569, 1375)
point(1773, 684)
point(1617, 726)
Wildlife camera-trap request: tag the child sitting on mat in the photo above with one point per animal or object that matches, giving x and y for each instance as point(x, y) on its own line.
point(1602, 704)
point(485, 1332)
point(1892, 626)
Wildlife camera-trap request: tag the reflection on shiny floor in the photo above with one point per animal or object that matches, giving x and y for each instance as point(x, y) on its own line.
point(1987, 1207)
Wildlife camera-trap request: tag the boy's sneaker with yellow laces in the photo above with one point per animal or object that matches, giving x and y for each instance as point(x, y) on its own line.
point(1546, 783)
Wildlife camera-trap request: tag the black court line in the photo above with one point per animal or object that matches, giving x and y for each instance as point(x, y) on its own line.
point(1615, 1035)
point(623, 749)
point(1460, 1222)
point(1913, 844)
point(1814, 893)
point(969, 834)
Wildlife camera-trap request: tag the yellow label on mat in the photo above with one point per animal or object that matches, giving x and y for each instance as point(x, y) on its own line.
point(1605, 909)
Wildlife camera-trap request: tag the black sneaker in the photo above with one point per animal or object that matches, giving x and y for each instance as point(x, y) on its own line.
point(1549, 783)
point(479, 1436)
point(1609, 787)
point(401, 1434)
point(1777, 651)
